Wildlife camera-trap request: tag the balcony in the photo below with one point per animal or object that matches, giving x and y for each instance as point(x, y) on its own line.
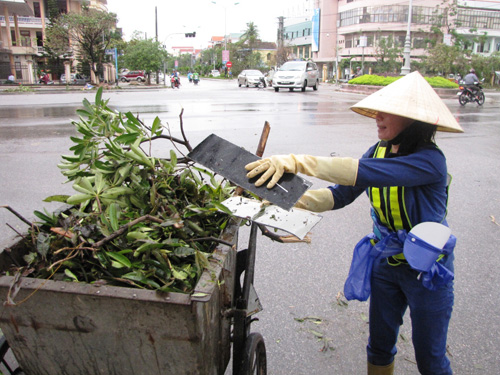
point(26, 22)
point(23, 50)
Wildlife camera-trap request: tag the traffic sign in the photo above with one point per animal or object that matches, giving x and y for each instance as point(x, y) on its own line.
point(229, 64)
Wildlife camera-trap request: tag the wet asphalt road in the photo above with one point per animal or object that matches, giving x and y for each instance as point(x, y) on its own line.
point(295, 281)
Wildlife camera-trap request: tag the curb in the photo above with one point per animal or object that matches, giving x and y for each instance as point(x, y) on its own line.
point(367, 90)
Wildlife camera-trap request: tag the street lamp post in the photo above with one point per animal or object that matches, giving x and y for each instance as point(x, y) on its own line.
point(225, 22)
point(407, 49)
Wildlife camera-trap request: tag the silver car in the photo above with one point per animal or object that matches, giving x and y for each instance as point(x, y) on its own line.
point(250, 77)
point(76, 79)
point(296, 75)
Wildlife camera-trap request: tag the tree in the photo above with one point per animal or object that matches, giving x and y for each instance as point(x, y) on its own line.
point(91, 31)
point(145, 54)
point(244, 56)
point(445, 59)
point(387, 53)
point(251, 36)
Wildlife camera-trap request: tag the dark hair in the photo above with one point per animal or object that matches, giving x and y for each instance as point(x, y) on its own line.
point(415, 135)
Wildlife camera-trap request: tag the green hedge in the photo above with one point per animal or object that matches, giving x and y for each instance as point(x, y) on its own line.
point(374, 80)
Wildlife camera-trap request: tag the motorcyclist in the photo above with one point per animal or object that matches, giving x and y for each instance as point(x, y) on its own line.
point(190, 76)
point(471, 81)
point(174, 79)
point(45, 79)
point(196, 77)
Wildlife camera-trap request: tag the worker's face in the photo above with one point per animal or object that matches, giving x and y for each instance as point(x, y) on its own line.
point(389, 126)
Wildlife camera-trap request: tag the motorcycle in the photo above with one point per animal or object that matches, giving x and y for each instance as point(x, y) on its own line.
point(466, 94)
point(196, 78)
point(45, 80)
point(175, 82)
point(262, 82)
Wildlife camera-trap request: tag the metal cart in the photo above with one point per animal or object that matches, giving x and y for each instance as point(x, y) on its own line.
point(75, 328)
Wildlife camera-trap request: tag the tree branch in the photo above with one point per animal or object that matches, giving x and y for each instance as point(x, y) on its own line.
point(124, 228)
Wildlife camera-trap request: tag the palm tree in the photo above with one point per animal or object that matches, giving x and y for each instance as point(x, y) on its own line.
point(250, 36)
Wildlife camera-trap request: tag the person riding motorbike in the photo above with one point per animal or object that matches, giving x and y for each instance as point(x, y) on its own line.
point(471, 81)
point(44, 79)
point(175, 80)
point(196, 78)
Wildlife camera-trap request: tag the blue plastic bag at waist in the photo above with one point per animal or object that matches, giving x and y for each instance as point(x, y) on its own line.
point(357, 285)
point(384, 243)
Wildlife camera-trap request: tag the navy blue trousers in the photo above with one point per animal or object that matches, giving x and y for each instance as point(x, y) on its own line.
point(393, 290)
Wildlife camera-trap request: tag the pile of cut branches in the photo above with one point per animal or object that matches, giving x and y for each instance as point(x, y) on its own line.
point(136, 220)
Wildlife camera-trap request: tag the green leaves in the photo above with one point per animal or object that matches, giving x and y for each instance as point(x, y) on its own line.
point(137, 220)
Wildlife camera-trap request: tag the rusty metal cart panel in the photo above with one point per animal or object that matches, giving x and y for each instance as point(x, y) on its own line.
point(65, 328)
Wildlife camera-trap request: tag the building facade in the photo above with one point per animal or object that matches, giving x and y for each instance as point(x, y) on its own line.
point(298, 39)
point(22, 34)
point(353, 29)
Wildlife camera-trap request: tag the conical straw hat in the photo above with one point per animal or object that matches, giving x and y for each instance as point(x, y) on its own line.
point(412, 97)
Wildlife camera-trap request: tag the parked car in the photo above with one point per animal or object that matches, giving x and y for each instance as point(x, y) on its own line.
point(296, 75)
point(250, 77)
point(134, 75)
point(215, 73)
point(75, 79)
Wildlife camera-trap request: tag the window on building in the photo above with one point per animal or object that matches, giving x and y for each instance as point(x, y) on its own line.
point(390, 14)
point(25, 38)
point(39, 39)
point(399, 40)
point(498, 47)
point(419, 43)
point(36, 9)
point(348, 43)
point(13, 37)
point(483, 47)
point(479, 19)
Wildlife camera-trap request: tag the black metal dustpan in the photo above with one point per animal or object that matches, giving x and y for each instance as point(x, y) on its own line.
point(229, 160)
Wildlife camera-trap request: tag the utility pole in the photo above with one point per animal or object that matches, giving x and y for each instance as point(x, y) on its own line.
point(281, 34)
point(156, 22)
point(156, 30)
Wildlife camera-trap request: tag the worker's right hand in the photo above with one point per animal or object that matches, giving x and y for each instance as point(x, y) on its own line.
point(341, 171)
point(319, 200)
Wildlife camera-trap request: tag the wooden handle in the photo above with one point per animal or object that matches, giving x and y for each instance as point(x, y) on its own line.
point(260, 149)
point(263, 139)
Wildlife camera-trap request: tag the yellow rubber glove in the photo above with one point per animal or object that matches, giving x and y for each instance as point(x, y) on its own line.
point(319, 200)
point(342, 171)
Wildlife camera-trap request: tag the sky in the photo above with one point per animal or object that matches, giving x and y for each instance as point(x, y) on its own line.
point(203, 17)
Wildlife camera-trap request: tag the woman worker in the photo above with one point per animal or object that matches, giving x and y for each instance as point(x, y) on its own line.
point(405, 177)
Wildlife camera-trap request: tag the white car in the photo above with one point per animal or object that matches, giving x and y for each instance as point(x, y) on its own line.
point(250, 77)
point(215, 73)
point(296, 75)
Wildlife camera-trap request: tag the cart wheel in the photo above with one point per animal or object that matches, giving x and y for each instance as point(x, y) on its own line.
point(254, 362)
point(8, 363)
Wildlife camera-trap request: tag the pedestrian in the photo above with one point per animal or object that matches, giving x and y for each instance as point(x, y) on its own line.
point(405, 177)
